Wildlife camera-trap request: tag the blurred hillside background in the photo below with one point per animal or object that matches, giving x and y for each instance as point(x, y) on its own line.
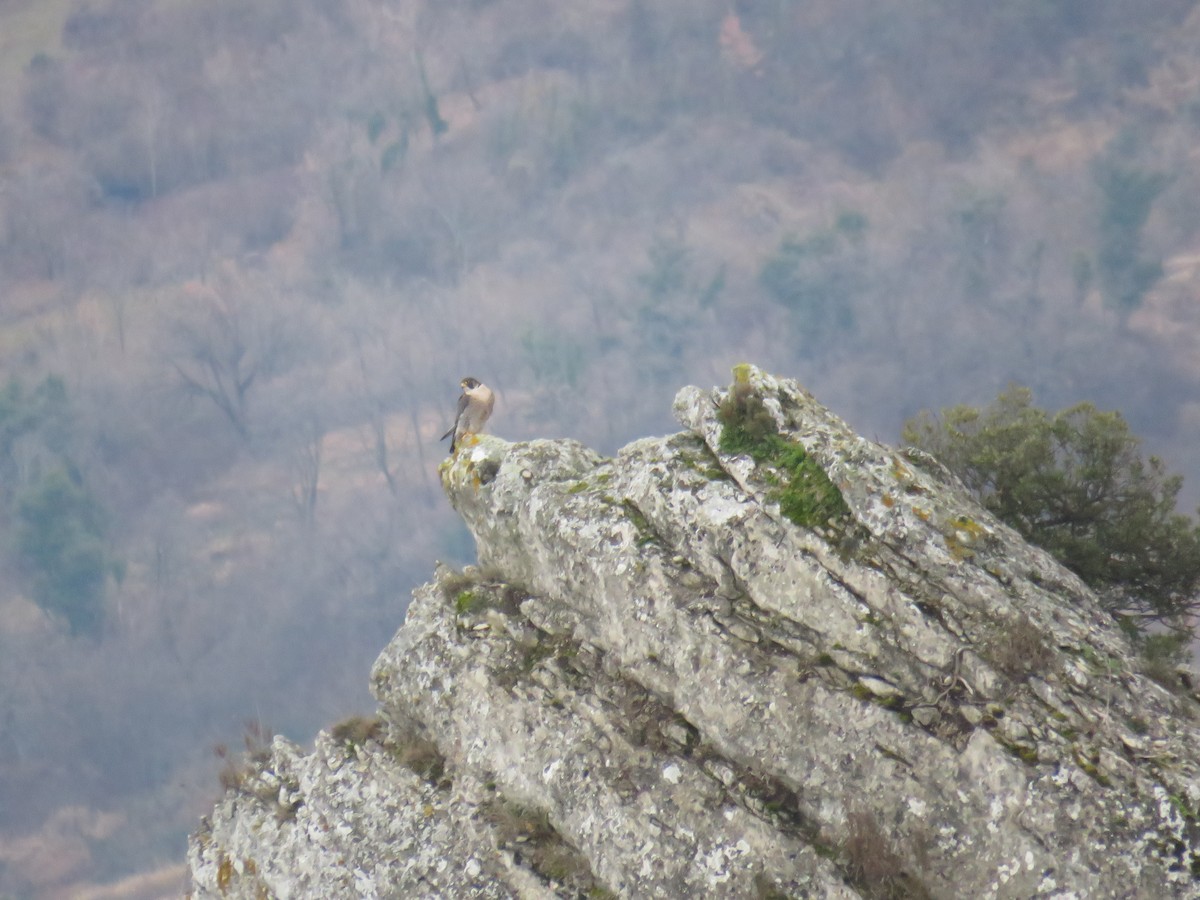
point(247, 250)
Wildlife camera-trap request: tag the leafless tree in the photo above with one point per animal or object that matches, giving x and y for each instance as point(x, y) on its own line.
point(306, 469)
point(225, 344)
point(376, 418)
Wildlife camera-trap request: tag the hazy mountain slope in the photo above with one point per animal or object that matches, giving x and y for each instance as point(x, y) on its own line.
point(349, 206)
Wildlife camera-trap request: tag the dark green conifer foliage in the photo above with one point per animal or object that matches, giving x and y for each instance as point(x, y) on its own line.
point(1128, 197)
point(61, 541)
point(59, 537)
point(1075, 483)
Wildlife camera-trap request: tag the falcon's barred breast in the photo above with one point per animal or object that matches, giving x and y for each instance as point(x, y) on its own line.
point(474, 408)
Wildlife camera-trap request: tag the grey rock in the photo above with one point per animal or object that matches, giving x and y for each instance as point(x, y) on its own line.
point(927, 716)
point(682, 689)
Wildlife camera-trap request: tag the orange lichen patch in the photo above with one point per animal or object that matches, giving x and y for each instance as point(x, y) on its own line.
point(224, 874)
point(961, 534)
point(970, 527)
point(957, 548)
point(888, 501)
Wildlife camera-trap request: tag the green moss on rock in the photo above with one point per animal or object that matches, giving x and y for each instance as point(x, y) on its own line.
point(469, 602)
point(804, 492)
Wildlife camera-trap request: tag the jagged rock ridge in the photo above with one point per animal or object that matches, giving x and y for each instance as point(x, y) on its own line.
point(693, 670)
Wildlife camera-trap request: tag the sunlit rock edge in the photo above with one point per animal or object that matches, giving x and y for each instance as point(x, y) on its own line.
point(656, 684)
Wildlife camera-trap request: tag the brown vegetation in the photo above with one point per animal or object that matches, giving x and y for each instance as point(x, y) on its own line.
point(260, 244)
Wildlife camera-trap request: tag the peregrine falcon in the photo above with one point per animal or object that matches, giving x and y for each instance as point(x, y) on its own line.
point(474, 408)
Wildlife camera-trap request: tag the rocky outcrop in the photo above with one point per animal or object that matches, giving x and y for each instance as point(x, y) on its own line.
point(763, 657)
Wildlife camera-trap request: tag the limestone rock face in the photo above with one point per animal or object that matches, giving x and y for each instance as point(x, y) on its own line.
point(814, 668)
